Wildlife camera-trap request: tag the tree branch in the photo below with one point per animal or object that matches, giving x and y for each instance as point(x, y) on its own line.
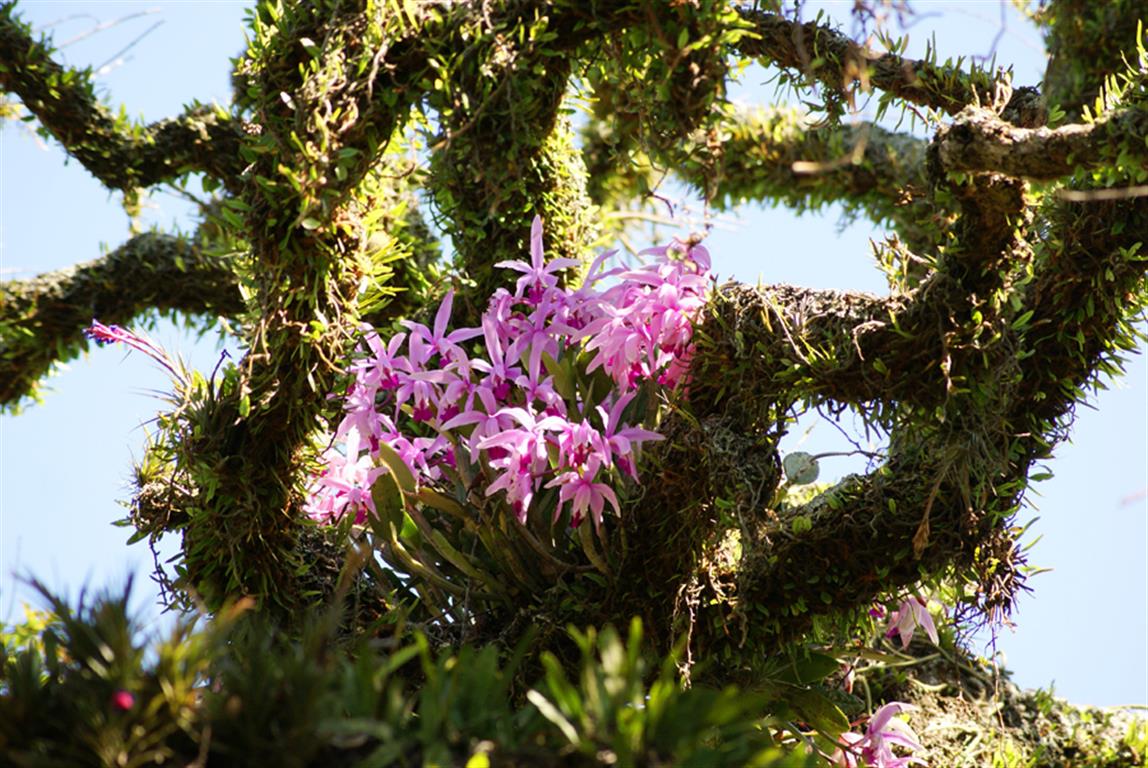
point(838, 62)
point(775, 155)
point(1085, 303)
point(42, 319)
point(979, 141)
point(764, 344)
point(120, 155)
point(942, 500)
point(503, 161)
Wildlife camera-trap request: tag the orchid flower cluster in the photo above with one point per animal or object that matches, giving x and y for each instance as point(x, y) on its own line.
point(511, 409)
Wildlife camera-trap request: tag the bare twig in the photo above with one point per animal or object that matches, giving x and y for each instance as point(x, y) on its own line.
point(101, 26)
point(117, 58)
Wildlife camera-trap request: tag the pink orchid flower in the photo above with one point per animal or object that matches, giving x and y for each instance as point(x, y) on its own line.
point(537, 275)
point(487, 420)
point(502, 407)
point(911, 614)
point(500, 372)
point(424, 343)
point(874, 748)
point(584, 494)
point(621, 440)
point(383, 370)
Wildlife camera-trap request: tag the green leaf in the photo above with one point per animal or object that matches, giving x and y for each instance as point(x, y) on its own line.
point(551, 713)
point(801, 524)
point(389, 502)
point(1022, 321)
point(460, 561)
point(441, 502)
point(563, 374)
point(389, 458)
point(813, 668)
point(815, 708)
point(310, 223)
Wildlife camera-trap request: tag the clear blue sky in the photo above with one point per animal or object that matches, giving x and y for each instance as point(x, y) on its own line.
point(64, 464)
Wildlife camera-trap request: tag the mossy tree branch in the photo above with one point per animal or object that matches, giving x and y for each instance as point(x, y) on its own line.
point(772, 156)
point(120, 154)
point(962, 442)
point(1086, 42)
point(311, 189)
point(504, 155)
point(979, 141)
point(42, 319)
point(840, 64)
point(945, 495)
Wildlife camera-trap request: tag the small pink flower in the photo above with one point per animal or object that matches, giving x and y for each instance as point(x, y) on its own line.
point(345, 483)
point(622, 440)
point(123, 700)
point(576, 442)
point(487, 420)
point(875, 747)
point(524, 458)
point(538, 276)
point(586, 495)
point(500, 370)
point(425, 342)
point(911, 614)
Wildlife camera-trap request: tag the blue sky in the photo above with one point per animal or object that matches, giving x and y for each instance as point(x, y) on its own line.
point(64, 464)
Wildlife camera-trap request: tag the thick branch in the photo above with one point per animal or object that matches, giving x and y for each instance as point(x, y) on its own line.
point(761, 343)
point(980, 141)
point(1092, 288)
point(507, 159)
point(1092, 283)
point(42, 319)
point(775, 155)
point(120, 155)
point(990, 395)
point(863, 534)
point(933, 365)
point(838, 62)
